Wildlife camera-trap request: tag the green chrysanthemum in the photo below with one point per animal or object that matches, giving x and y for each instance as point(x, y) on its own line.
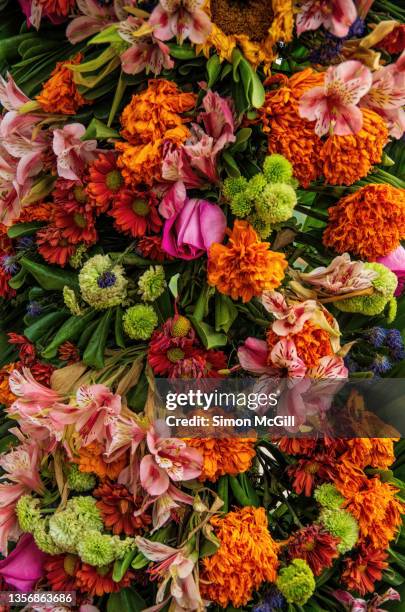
point(277, 169)
point(392, 309)
point(255, 186)
point(80, 481)
point(276, 203)
point(68, 526)
point(139, 321)
point(102, 284)
point(44, 540)
point(296, 582)
point(263, 228)
point(241, 205)
point(76, 260)
point(328, 496)
point(96, 548)
point(371, 305)
point(71, 302)
point(232, 186)
point(28, 513)
point(341, 524)
point(152, 283)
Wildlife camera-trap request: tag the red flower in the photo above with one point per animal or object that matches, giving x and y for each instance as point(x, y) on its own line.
point(98, 580)
point(105, 181)
point(69, 352)
point(316, 546)
point(364, 568)
point(151, 248)
point(60, 571)
point(71, 194)
point(117, 509)
point(307, 473)
point(167, 351)
point(42, 372)
point(76, 225)
point(27, 352)
point(394, 42)
point(53, 245)
point(135, 213)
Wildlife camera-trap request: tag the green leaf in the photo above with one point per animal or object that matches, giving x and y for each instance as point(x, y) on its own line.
point(208, 548)
point(127, 600)
point(225, 312)
point(50, 277)
point(208, 336)
point(213, 70)
point(119, 93)
point(108, 35)
point(122, 565)
point(242, 139)
point(94, 354)
point(230, 165)
point(98, 129)
point(23, 229)
point(118, 328)
point(17, 281)
point(39, 190)
point(7, 442)
point(173, 285)
point(181, 51)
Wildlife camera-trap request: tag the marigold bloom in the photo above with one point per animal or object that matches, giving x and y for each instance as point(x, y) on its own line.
point(150, 247)
point(245, 266)
point(60, 94)
point(346, 159)
point(298, 446)
point(312, 343)
point(316, 546)
point(369, 223)
point(374, 452)
point(246, 558)
point(6, 396)
point(91, 460)
point(105, 180)
point(117, 508)
point(40, 211)
point(98, 580)
point(364, 568)
point(224, 456)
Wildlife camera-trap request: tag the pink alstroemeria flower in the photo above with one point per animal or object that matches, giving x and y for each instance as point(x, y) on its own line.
point(355, 604)
point(10, 493)
point(123, 435)
point(395, 261)
point(170, 459)
point(73, 154)
point(146, 52)
point(289, 319)
point(95, 18)
point(341, 276)
point(285, 357)
point(191, 225)
point(181, 19)
point(34, 397)
point(387, 96)
point(335, 15)
point(175, 566)
point(24, 566)
point(253, 356)
point(11, 96)
point(334, 106)
point(21, 465)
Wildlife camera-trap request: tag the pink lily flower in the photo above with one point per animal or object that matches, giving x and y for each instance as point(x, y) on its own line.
point(284, 356)
point(73, 154)
point(387, 96)
point(395, 261)
point(181, 19)
point(341, 276)
point(170, 459)
point(24, 566)
point(123, 435)
point(175, 566)
point(95, 17)
point(145, 52)
point(289, 319)
point(335, 15)
point(253, 356)
point(34, 396)
point(191, 225)
point(218, 119)
point(334, 106)
point(21, 465)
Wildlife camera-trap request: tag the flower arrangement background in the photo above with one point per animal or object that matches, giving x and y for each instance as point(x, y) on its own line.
point(201, 190)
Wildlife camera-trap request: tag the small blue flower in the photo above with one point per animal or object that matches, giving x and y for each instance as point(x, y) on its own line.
point(272, 601)
point(25, 243)
point(395, 343)
point(107, 279)
point(9, 264)
point(34, 309)
point(381, 365)
point(351, 364)
point(357, 29)
point(376, 336)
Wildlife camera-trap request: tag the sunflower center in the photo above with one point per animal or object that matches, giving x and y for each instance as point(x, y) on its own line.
point(250, 17)
point(69, 564)
point(175, 354)
point(114, 180)
point(80, 194)
point(140, 207)
point(79, 220)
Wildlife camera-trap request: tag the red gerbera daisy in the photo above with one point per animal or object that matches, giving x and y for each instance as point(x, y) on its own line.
point(307, 473)
point(117, 509)
point(151, 248)
point(76, 225)
point(316, 546)
point(105, 180)
point(171, 345)
point(98, 580)
point(60, 571)
point(364, 568)
point(71, 194)
point(53, 245)
point(135, 213)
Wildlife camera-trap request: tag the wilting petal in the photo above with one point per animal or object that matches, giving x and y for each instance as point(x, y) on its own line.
point(154, 551)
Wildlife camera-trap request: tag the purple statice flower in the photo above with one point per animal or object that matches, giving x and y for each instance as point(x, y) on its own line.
point(25, 243)
point(106, 279)
point(376, 336)
point(381, 365)
point(395, 343)
point(351, 364)
point(9, 264)
point(273, 601)
point(357, 29)
point(34, 309)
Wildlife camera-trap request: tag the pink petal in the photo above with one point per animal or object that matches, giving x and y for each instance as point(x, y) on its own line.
point(154, 551)
point(253, 356)
point(312, 103)
point(153, 478)
point(160, 18)
point(212, 223)
point(199, 27)
point(28, 166)
point(349, 121)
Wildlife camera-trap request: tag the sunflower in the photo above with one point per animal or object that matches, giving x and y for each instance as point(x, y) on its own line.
point(253, 25)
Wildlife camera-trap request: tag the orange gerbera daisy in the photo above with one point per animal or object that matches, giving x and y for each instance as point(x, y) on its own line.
point(135, 213)
point(369, 223)
point(347, 159)
point(91, 460)
point(98, 580)
point(224, 456)
point(60, 94)
point(6, 396)
point(288, 133)
point(246, 558)
point(364, 568)
point(54, 246)
point(117, 508)
point(60, 572)
point(105, 180)
point(376, 509)
point(244, 267)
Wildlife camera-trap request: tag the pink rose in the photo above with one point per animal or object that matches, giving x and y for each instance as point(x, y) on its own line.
point(24, 566)
point(395, 261)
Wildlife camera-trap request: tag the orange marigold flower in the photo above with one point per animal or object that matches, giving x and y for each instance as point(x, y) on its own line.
point(244, 267)
point(374, 452)
point(6, 397)
point(246, 558)
point(98, 580)
point(364, 568)
point(155, 111)
point(91, 460)
point(40, 211)
point(60, 94)
point(224, 456)
point(298, 446)
point(346, 159)
point(288, 133)
point(369, 223)
point(376, 509)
